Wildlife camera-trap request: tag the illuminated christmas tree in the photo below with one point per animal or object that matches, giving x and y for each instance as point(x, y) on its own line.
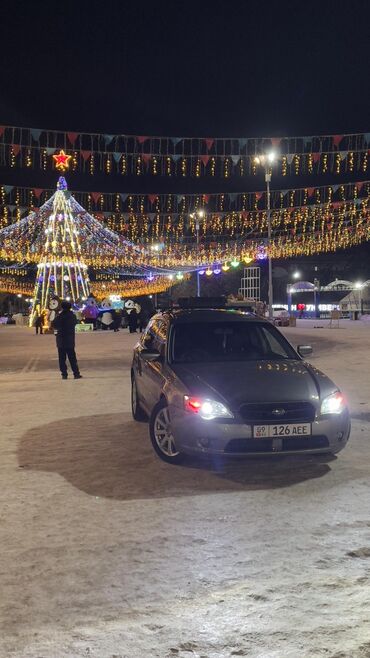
point(61, 271)
point(61, 240)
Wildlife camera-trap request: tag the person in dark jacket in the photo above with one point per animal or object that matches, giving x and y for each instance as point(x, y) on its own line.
point(132, 321)
point(65, 324)
point(38, 323)
point(143, 320)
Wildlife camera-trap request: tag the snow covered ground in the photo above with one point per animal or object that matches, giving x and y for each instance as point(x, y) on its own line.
point(107, 552)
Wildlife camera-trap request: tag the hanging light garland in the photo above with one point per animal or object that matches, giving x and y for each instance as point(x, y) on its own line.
point(181, 156)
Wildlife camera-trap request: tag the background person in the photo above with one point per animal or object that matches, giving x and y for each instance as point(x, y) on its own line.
point(132, 321)
point(38, 323)
point(65, 324)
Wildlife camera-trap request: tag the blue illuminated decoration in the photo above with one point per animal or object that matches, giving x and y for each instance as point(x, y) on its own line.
point(62, 183)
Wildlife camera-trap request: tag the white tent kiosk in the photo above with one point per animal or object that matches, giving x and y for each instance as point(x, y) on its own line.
point(356, 301)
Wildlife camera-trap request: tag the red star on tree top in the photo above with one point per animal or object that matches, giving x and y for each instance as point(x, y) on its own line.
point(62, 160)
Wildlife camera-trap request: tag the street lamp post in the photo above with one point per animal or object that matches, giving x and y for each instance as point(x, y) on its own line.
point(197, 226)
point(198, 215)
point(359, 286)
point(266, 161)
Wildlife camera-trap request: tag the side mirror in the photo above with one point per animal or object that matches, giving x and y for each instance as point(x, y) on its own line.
point(149, 355)
point(304, 350)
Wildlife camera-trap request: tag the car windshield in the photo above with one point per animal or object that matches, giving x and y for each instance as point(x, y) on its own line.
point(228, 341)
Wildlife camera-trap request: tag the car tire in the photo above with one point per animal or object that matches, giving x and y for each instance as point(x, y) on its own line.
point(161, 436)
point(138, 412)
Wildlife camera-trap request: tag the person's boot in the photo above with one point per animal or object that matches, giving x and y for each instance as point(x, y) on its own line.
point(64, 376)
point(78, 376)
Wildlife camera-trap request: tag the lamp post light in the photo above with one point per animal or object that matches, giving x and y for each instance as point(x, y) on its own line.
point(199, 214)
point(266, 162)
point(359, 286)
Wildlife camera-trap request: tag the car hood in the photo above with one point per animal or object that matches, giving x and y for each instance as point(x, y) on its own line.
point(255, 381)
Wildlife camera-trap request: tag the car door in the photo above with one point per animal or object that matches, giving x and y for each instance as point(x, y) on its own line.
point(151, 377)
point(139, 365)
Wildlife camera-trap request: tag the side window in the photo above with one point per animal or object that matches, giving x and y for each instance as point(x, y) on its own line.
point(160, 334)
point(155, 336)
point(273, 344)
point(147, 337)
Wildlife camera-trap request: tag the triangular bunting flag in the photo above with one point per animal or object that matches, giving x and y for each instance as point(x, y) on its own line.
point(180, 197)
point(108, 138)
point(86, 155)
point(141, 139)
point(366, 137)
point(152, 198)
point(259, 195)
point(37, 192)
point(233, 197)
point(204, 159)
point(289, 158)
point(316, 157)
point(8, 188)
point(117, 156)
point(336, 140)
point(307, 141)
point(235, 159)
point(343, 154)
point(2, 128)
point(176, 157)
point(360, 185)
point(146, 157)
point(275, 141)
point(209, 143)
point(335, 188)
point(176, 140)
point(50, 151)
point(35, 132)
point(72, 137)
point(242, 142)
point(16, 148)
point(96, 196)
point(123, 197)
point(310, 191)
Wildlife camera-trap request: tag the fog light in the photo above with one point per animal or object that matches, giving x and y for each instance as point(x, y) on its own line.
point(203, 443)
point(340, 435)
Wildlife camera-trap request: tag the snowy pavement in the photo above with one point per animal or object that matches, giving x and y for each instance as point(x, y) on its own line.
point(107, 552)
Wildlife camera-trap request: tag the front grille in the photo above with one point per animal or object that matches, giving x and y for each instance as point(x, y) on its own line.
point(249, 445)
point(311, 443)
point(294, 412)
point(281, 445)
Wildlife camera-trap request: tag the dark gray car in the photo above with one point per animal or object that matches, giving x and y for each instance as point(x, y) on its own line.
point(228, 383)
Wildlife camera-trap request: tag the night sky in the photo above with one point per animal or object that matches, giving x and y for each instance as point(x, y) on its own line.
point(184, 68)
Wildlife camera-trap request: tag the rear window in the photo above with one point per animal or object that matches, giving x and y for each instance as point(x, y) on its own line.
point(228, 341)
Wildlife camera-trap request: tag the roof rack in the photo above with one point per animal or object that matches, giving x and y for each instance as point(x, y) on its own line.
point(201, 302)
point(240, 305)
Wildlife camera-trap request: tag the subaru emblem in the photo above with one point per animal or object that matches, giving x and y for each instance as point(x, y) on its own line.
point(278, 412)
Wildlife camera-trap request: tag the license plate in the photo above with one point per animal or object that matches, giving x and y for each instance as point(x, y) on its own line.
point(280, 431)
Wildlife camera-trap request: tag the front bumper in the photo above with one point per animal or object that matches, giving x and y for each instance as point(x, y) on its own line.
point(193, 435)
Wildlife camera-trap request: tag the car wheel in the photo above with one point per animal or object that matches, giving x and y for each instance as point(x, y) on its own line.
point(161, 435)
point(138, 412)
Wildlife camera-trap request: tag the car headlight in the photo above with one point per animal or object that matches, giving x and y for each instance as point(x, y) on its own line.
point(333, 404)
point(206, 409)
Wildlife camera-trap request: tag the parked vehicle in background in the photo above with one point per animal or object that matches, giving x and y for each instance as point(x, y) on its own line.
point(280, 316)
point(225, 382)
